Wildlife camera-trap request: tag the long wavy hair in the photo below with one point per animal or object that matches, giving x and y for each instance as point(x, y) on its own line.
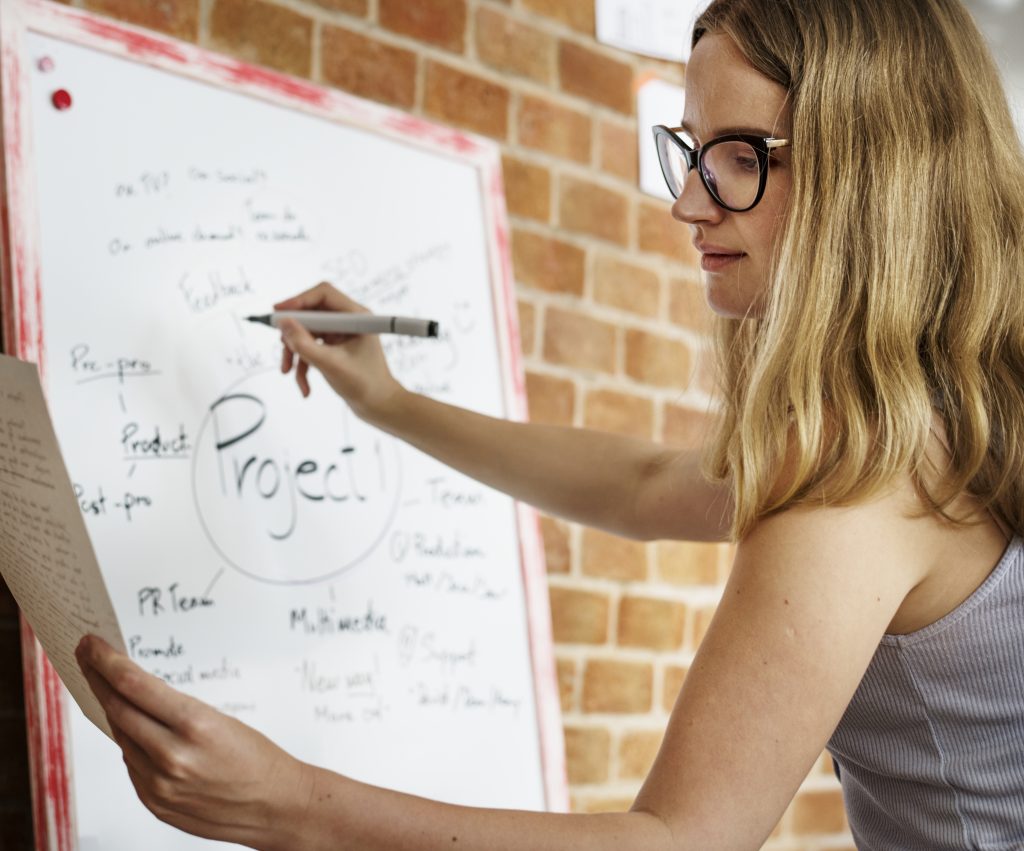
point(897, 288)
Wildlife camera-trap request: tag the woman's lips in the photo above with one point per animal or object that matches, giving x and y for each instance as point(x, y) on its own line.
point(716, 262)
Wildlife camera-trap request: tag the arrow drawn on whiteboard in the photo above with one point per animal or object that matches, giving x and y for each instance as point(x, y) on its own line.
point(131, 471)
point(120, 398)
point(213, 582)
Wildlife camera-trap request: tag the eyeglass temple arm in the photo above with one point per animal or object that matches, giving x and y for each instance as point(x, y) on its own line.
point(769, 142)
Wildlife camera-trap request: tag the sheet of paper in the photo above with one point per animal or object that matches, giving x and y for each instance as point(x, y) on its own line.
point(659, 28)
point(658, 102)
point(46, 557)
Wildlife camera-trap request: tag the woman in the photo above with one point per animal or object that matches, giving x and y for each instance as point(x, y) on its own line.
point(850, 173)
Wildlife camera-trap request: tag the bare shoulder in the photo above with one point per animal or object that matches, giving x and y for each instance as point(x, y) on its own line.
point(875, 550)
point(812, 590)
point(890, 536)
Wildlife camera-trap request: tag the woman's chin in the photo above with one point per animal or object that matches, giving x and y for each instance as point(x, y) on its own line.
point(730, 299)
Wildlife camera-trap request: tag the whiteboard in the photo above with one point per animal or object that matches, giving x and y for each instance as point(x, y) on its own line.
point(364, 606)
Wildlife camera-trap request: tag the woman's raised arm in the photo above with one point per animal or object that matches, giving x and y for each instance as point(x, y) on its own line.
point(623, 485)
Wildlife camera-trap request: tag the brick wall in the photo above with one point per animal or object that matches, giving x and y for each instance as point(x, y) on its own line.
point(612, 320)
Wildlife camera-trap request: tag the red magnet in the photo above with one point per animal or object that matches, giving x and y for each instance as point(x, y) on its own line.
point(62, 99)
point(45, 64)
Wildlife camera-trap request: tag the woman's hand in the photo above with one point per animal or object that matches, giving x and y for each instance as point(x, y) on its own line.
point(353, 364)
point(193, 767)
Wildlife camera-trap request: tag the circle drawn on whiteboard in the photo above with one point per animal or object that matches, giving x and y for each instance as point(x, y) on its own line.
point(285, 493)
point(61, 99)
point(45, 64)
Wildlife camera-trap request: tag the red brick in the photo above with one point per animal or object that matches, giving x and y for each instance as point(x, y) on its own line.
point(368, 67)
point(637, 751)
point(550, 400)
point(725, 565)
point(466, 100)
point(685, 427)
point(438, 22)
point(579, 617)
point(263, 33)
point(688, 308)
point(620, 687)
point(688, 563)
point(547, 263)
point(618, 151)
point(179, 18)
point(705, 372)
point(595, 76)
point(651, 623)
point(566, 683)
point(527, 326)
point(622, 413)
point(601, 804)
point(594, 210)
point(527, 189)
point(576, 340)
point(659, 233)
point(587, 751)
point(700, 620)
point(553, 128)
point(612, 557)
point(626, 286)
point(672, 681)
point(509, 45)
point(556, 544)
point(578, 14)
point(818, 812)
point(658, 360)
point(349, 7)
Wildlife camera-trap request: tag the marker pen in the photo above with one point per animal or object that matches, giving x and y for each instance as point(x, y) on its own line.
point(329, 322)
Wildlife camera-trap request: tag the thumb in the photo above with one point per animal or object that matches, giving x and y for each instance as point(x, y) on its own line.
point(302, 343)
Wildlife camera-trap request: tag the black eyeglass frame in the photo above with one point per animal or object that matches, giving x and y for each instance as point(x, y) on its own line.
point(694, 158)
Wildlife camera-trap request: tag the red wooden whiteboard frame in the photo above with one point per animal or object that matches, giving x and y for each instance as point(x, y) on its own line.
point(21, 304)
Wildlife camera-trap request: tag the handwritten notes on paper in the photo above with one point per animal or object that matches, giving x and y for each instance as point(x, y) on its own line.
point(45, 555)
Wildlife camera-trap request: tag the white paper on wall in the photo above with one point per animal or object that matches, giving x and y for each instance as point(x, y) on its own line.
point(658, 102)
point(652, 27)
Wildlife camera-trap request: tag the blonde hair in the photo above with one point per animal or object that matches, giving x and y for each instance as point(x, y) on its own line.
point(898, 281)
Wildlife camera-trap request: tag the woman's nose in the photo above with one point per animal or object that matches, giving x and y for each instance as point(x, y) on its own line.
point(694, 204)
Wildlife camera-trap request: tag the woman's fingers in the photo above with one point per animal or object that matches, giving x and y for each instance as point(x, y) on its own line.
point(134, 725)
point(302, 377)
point(303, 343)
point(119, 676)
point(138, 761)
point(158, 802)
point(321, 297)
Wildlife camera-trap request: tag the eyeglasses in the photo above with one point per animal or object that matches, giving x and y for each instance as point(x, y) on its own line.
point(733, 168)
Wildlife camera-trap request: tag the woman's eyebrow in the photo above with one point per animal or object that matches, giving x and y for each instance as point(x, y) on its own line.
point(730, 131)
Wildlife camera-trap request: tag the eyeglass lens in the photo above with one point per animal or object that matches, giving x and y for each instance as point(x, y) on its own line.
point(731, 170)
